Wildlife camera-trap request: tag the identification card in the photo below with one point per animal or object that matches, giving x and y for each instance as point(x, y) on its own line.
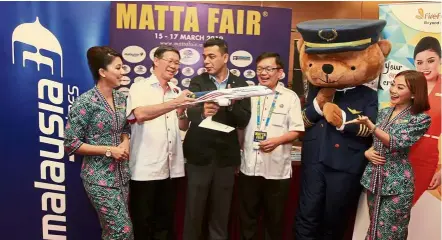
point(259, 136)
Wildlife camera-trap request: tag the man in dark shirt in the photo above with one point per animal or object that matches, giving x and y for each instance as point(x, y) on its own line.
point(213, 156)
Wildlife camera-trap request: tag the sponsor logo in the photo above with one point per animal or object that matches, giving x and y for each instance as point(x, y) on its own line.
point(185, 82)
point(124, 90)
point(235, 72)
point(126, 69)
point(174, 81)
point(251, 83)
point(189, 56)
point(249, 73)
point(282, 76)
point(140, 69)
point(151, 53)
point(41, 38)
point(187, 71)
point(125, 80)
point(201, 71)
point(137, 79)
point(151, 70)
point(134, 54)
point(426, 17)
point(241, 58)
point(51, 114)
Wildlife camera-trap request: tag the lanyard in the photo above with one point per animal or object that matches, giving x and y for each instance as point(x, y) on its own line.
point(258, 115)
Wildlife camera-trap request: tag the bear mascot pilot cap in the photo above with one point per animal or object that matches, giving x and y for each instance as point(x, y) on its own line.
point(337, 57)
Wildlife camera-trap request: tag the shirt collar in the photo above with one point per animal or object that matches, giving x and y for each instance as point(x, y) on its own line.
point(345, 89)
point(154, 82)
point(213, 78)
point(279, 88)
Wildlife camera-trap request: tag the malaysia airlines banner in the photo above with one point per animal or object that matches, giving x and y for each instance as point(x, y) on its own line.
point(45, 69)
point(138, 28)
point(407, 25)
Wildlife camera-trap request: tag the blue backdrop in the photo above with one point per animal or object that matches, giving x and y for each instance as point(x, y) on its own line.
point(44, 66)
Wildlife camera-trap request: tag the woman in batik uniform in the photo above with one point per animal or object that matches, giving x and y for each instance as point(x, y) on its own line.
point(389, 177)
point(97, 128)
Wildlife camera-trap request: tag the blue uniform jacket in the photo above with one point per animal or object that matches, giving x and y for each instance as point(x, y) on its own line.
point(340, 150)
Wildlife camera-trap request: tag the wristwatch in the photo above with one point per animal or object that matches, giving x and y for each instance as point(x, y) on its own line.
point(108, 152)
point(183, 116)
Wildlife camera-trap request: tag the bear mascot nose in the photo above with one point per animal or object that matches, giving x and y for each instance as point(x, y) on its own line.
point(327, 68)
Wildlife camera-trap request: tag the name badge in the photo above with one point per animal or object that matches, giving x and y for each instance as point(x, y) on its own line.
point(259, 136)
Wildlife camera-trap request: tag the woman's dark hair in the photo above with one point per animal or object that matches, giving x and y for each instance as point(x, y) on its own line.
point(100, 57)
point(427, 43)
point(417, 83)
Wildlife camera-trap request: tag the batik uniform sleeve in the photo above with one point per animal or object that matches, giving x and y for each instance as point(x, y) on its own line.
point(408, 134)
point(75, 130)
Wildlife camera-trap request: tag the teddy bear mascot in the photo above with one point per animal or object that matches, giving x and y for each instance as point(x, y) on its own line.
point(337, 57)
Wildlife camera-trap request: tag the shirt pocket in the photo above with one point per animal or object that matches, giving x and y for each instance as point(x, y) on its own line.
point(279, 117)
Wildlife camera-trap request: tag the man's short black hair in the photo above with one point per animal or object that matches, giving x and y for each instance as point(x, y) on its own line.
point(265, 55)
point(162, 49)
point(223, 48)
point(165, 48)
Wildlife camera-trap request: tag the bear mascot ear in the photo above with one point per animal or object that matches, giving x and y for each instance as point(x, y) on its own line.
point(385, 47)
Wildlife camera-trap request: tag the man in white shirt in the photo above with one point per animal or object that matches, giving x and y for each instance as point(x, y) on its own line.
point(266, 168)
point(156, 155)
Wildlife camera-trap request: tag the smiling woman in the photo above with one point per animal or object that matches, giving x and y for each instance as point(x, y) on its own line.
point(424, 155)
point(98, 130)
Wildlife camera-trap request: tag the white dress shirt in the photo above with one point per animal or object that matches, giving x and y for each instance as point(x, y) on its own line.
point(286, 117)
point(156, 151)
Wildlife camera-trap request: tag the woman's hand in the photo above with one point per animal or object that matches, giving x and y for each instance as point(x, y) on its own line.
point(374, 157)
point(435, 182)
point(120, 153)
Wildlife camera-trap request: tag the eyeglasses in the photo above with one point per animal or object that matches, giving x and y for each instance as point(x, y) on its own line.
point(267, 69)
point(171, 62)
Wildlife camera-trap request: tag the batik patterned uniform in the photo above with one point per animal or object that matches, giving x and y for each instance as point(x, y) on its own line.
point(390, 187)
point(106, 180)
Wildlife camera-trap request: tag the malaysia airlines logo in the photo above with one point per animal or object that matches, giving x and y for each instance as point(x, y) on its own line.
point(36, 35)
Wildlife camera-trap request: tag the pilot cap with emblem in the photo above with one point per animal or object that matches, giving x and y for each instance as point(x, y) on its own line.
point(339, 35)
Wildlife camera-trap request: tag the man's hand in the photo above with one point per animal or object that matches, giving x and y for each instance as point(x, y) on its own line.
point(184, 99)
point(269, 144)
point(324, 96)
point(210, 109)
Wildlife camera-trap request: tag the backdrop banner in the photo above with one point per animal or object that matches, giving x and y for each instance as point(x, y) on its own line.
point(138, 28)
point(45, 69)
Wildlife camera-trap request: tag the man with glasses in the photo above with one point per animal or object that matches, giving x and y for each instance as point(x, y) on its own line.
point(156, 157)
point(212, 156)
point(266, 167)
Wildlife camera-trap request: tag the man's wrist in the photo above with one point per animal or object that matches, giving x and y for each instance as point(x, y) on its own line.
point(182, 115)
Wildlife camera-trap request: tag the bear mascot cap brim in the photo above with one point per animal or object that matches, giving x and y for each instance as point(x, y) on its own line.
point(339, 35)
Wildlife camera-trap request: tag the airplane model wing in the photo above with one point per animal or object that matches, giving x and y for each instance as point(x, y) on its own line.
point(223, 97)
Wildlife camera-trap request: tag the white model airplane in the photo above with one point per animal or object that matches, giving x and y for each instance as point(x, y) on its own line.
point(223, 97)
